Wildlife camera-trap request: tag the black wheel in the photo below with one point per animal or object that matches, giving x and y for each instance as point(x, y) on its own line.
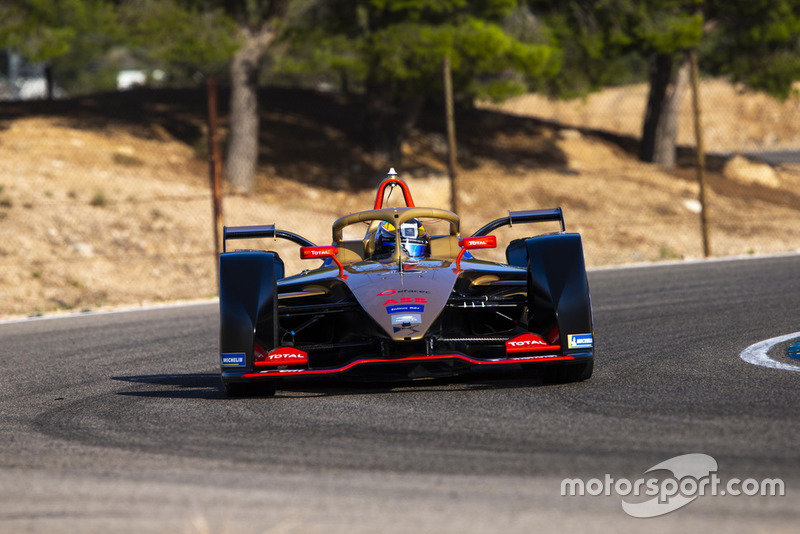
point(566, 372)
point(262, 388)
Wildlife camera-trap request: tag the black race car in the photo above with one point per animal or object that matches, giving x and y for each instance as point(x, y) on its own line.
point(402, 302)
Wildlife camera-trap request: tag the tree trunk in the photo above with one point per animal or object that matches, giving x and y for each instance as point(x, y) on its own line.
point(667, 131)
point(49, 82)
point(660, 131)
point(243, 133)
point(660, 75)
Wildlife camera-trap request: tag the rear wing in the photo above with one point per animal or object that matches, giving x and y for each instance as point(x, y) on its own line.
point(261, 231)
point(520, 217)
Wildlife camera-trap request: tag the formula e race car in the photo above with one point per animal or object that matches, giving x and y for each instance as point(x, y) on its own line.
point(402, 302)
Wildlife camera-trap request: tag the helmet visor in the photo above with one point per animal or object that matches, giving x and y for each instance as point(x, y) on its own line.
point(416, 249)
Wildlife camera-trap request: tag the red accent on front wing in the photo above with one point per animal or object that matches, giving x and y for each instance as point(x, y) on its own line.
point(530, 343)
point(538, 348)
point(503, 361)
point(280, 356)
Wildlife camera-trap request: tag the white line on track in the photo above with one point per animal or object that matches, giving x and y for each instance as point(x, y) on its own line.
point(758, 353)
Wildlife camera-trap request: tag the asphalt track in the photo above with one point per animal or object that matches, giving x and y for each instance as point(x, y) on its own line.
point(115, 423)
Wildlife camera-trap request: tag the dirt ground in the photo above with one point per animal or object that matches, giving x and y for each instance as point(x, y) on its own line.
point(104, 202)
point(734, 119)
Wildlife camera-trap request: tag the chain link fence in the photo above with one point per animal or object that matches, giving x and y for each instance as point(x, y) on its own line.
point(106, 201)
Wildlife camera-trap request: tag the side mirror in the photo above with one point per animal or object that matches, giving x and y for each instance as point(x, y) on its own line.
point(310, 253)
point(468, 243)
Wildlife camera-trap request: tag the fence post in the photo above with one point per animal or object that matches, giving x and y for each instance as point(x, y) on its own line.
point(701, 153)
point(214, 166)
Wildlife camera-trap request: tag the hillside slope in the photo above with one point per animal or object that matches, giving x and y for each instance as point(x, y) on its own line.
point(104, 201)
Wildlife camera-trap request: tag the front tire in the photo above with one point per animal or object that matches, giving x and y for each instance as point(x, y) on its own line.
point(262, 388)
point(567, 372)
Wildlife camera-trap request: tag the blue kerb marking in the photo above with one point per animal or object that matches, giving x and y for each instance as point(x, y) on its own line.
point(794, 350)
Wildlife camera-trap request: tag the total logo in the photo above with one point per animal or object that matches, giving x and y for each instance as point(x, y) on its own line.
point(280, 356)
point(527, 343)
point(286, 356)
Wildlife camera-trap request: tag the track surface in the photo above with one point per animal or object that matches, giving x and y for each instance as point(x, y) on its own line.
point(115, 423)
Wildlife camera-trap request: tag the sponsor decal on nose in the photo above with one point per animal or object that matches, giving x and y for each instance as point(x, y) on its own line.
point(408, 319)
point(405, 308)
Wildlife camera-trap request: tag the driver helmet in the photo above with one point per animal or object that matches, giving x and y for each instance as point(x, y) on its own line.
point(413, 238)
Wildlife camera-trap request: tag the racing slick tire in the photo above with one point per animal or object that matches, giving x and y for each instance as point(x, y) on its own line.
point(563, 373)
point(262, 388)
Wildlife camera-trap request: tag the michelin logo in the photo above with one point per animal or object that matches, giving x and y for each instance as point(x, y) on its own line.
point(579, 341)
point(232, 359)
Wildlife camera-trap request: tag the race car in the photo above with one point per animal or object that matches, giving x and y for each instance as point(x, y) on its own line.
point(400, 301)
